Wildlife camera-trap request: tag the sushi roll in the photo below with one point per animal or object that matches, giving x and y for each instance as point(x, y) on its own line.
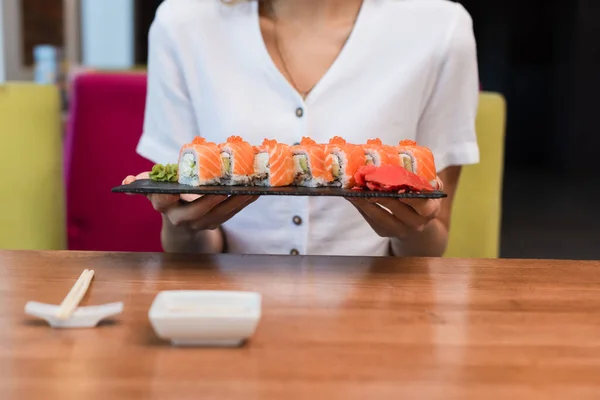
point(309, 164)
point(376, 153)
point(200, 163)
point(273, 164)
point(393, 157)
point(419, 160)
point(343, 160)
point(237, 161)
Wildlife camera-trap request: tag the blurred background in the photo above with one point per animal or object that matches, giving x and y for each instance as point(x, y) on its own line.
point(72, 87)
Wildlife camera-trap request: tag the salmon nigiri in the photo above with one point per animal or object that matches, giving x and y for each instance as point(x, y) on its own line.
point(343, 160)
point(237, 159)
point(419, 160)
point(309, 164)
point(200, 163)
point(273, 164)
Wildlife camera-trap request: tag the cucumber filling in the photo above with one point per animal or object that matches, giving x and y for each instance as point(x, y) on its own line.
point(301, 167)
point(226, 163)
point(303, 163)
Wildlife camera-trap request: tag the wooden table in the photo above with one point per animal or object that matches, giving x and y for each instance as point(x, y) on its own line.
point(351, 328)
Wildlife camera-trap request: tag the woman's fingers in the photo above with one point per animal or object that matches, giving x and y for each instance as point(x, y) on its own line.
point(190, 212)
point(208, 212)
point(393, 218)
point(190, 197)
point(163, 202)
point(382, 222)
point(129, 179)
point(143, 175)
point(404, 213)
point(427, 208)
point(234, 205)
point(224, 212)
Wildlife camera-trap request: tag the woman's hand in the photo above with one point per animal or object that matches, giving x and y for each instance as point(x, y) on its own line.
point(185, 217)
point(405, 218)
point(418, 227)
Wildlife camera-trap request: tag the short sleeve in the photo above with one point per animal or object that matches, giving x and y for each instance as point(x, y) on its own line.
point(447, 125)
point(169, 120)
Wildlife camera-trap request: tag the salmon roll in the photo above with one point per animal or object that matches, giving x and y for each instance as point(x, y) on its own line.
point(273, 164)
point(419, 160)
point(200, 163)
point(237, 161)
point(309, 164)
point(375, 153)
point(392, 154)
point(343, 160)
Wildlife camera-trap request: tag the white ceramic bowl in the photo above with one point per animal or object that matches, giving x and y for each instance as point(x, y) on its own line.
point(205, 318)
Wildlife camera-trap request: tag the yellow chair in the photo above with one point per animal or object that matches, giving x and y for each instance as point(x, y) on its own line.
point(477, 208)
point(32, 200)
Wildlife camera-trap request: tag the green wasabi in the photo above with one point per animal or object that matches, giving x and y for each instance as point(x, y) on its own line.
point(165, 173)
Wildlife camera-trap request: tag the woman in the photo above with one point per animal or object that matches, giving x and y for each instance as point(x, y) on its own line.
point(284, 69)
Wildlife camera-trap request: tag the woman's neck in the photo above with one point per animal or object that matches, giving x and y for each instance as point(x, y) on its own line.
point(314, 12)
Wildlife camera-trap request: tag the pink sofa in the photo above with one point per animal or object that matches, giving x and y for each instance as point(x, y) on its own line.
point(106, 119)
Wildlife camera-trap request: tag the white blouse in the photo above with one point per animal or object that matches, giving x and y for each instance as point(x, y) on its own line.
point(408, 71)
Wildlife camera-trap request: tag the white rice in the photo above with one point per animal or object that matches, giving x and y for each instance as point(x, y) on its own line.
point(261, 169)
point(339, 157)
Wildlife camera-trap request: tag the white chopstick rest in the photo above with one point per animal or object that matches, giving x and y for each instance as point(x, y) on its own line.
point(83, 317)
point(68, 314)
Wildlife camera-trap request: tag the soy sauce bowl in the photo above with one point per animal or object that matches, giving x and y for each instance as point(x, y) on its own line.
point(205, 318)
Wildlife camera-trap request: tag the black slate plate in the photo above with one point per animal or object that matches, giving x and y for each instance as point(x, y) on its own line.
point(147, 186)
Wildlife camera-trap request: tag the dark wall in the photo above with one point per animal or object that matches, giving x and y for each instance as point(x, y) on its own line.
point(585, 117)
point(544, 56)
point(144, 12)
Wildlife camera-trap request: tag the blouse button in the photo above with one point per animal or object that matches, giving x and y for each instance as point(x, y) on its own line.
point(297, 220)
point(294, 252)
point(299, 112)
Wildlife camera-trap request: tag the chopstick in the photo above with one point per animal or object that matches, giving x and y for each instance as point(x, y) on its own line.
point(72, 299)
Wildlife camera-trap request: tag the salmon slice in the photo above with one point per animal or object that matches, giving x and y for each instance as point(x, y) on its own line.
point(343, 160)
point(237, 159)
point(200, 163)
point(309, 164)
point(273, 164)
point(419, 160)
